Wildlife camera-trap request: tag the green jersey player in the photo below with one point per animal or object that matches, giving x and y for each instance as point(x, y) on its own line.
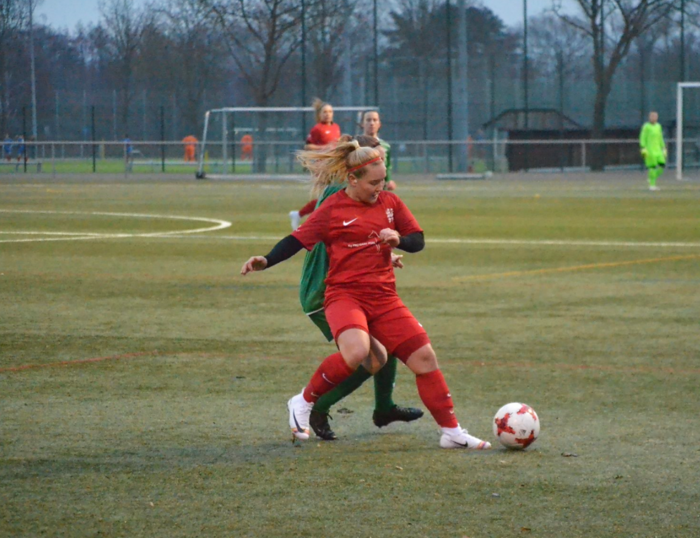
point(653, 148)
point(312, 294)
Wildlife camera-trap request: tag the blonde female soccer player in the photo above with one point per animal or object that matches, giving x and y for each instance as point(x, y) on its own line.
point(360, 227)
point(312, 290)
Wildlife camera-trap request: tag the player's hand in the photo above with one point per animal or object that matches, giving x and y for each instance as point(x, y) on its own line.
point(390, 237)
point(665, 153)
point(391, 185)
point(256, 263)
point(643, 151)
point(396, 260)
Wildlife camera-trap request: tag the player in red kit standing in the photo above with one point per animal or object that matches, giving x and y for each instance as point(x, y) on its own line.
point(360, 226)
point(322, 136)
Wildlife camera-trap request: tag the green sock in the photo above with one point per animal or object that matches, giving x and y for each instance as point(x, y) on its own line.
point(652, 176)
point(659, 171)
point(352, 383)
point(384, 385)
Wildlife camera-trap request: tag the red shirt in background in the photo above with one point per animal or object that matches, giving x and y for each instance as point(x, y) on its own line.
point(350, 231)
point(323, 134)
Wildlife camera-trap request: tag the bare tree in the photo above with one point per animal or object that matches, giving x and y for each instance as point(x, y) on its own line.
point(13, 17)
point(123, 25)
point(554, 40)
point(328, 21)
point(194, 60)
point(261, 36)
point(611, 26)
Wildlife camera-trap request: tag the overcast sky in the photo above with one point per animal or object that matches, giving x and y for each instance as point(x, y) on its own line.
point(67, 13)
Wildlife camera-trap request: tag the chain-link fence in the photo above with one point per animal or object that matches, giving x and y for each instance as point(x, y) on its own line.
point(497, 155)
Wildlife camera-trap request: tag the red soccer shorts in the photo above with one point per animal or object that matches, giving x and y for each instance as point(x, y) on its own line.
point(385, 317)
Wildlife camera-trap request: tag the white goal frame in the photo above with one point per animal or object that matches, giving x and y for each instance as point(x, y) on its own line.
point(200, 174)
point(679, 125)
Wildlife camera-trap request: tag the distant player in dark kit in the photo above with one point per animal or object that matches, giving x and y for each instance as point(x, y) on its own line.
point(21, 148)
point(7, 147)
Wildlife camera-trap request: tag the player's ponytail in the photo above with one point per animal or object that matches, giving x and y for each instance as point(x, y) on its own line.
point(333, 165)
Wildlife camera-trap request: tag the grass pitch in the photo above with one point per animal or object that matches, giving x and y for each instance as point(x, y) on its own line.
point(143, 382)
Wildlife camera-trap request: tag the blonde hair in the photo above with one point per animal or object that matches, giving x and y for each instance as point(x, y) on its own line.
point(319, 105)
point(332, 165)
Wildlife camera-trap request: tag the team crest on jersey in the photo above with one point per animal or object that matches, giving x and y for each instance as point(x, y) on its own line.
point(390, 215)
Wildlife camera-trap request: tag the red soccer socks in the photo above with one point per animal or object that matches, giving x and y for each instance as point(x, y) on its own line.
point(332, 371)
point(435, 394)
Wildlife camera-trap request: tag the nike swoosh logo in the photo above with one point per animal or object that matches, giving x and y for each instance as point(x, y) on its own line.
point(299, 428)
point(348, 223)
point(327, 380)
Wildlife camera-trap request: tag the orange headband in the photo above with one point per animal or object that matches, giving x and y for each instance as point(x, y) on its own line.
point(356, 168)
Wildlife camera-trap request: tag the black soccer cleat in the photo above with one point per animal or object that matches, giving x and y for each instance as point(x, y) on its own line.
point(396, 413)
point(319, 424)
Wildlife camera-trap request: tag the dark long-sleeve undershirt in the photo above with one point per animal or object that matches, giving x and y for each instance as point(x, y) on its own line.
point(290, 245)
point(414, 242)
point(283, 250)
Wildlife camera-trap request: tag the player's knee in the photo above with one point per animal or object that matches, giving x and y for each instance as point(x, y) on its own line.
point(423, 360)
point(354, 347)
point(355, 355)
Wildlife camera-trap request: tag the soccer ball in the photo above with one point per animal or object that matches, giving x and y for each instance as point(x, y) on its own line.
point(516, 425)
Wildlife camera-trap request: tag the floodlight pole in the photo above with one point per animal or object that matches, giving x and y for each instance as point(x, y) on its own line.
point(303, 65)
point(682, 73)
point(448, 34)
point(33, 66)
point(679, 132)
point(376, 55)
point(526, 97)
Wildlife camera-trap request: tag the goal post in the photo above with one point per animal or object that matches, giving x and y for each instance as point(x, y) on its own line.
point(680, 138)
point(260, 142)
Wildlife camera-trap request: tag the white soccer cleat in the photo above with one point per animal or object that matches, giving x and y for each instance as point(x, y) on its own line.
point(295, 218)
point(653, 188)
point(463, 440)
point(299, 412)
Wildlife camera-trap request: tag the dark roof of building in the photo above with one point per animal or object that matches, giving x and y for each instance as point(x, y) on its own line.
point(538, 119)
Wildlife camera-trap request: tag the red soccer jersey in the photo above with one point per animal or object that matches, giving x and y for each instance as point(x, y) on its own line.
point(350, 231)
point(323, 134)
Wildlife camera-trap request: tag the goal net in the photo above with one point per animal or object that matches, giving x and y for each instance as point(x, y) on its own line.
point(688, 130)
point(260, 142)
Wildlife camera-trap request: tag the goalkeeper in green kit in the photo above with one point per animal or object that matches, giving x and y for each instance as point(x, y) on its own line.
point(311, 294)
point(653, 148)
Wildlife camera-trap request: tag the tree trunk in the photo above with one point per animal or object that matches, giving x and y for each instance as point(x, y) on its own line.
point(260, 151)
point(4, 98)
point(597, 152)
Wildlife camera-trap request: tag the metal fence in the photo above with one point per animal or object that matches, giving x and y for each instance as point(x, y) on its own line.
point(278, 158)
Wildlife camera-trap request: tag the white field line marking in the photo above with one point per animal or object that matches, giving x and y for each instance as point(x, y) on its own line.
point(221, 224)
point(73, 236)
point(51, 233)
point(563, 243)
point(515, 242)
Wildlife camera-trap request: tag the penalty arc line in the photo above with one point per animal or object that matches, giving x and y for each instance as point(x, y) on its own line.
point(73, 236)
